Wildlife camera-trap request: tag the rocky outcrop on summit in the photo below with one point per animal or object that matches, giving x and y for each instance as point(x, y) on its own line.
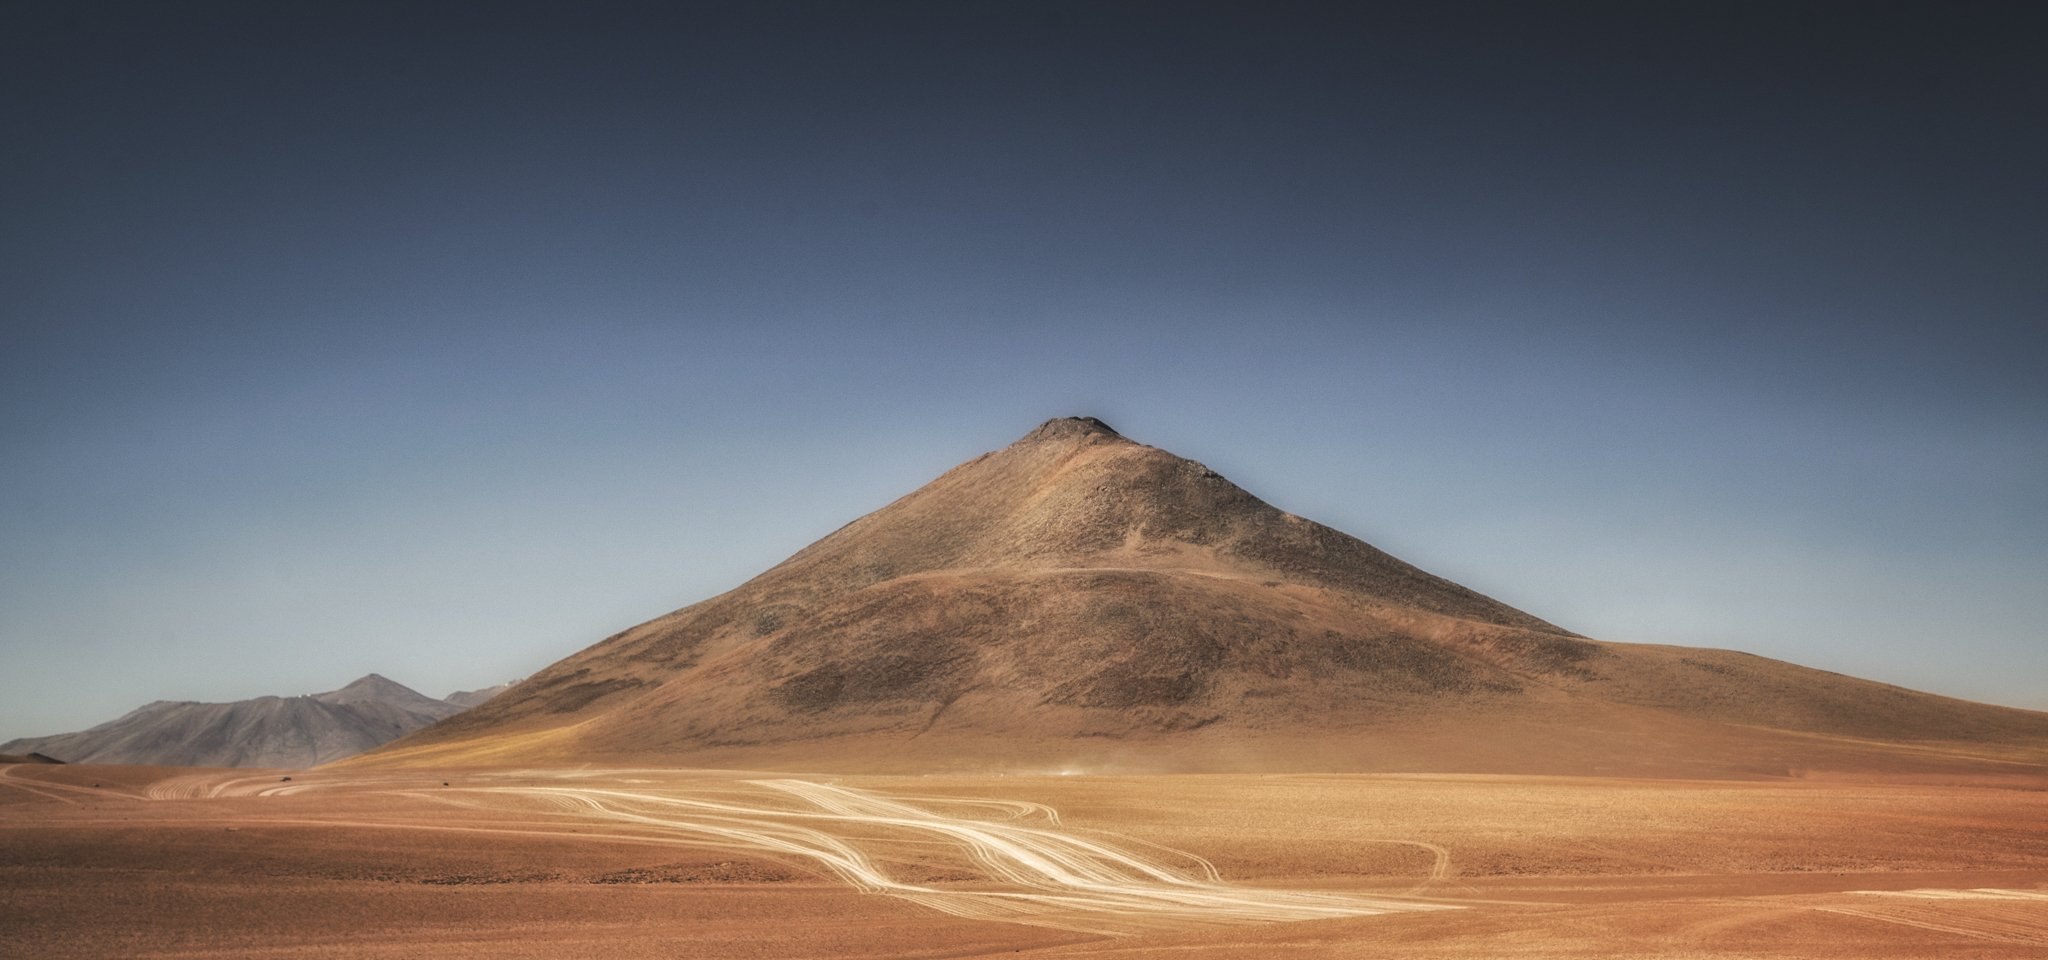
point(1080, 595)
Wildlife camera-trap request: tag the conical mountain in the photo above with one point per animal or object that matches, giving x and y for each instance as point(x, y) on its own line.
point(1079, 599)
point(378, 689)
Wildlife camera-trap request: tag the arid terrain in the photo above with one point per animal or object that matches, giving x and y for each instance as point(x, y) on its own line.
point(134, 861)
point(1081, 697)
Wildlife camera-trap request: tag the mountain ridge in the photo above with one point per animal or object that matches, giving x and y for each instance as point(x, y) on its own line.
point(264, 731)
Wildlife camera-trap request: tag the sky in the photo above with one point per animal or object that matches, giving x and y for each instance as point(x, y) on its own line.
point(445, 340)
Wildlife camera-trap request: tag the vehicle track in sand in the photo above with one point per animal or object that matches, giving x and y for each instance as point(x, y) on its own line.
point(55, 789)
point(205, 786)
point(7, 778)
point(985, 859)
point(1022, 873)
point(1985, 913)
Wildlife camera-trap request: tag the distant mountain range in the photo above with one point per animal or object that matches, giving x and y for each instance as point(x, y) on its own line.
point(286, 732)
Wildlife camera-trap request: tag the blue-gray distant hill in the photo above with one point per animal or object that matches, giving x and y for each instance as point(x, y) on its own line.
point(286, 732)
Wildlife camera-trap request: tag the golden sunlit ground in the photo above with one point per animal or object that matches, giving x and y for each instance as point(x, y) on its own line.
point(113, 861)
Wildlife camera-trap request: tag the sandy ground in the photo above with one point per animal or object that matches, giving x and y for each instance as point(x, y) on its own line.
point(132, 861)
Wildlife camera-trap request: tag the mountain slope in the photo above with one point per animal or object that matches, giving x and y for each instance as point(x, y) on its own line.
point(1080, 598)
point(261, 732)
point(470, 698)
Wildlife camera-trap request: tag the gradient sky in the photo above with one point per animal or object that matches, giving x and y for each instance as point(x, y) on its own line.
point(443, 342)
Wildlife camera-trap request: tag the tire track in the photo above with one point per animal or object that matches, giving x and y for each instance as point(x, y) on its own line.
point(1976, 927)
point(1985, 913)
point(65, 792)
point(1026, 873)
point(34, 791)
point(984, 859)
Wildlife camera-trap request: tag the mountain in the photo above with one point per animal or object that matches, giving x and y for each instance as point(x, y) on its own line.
point(262, 732)
point(1077, 600)
point(470, 698)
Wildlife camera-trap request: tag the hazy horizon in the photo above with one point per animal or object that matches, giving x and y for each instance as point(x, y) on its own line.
point(443, 346)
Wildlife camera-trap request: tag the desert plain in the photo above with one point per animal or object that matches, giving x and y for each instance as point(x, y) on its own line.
point(100, 861)
point(1080, 697)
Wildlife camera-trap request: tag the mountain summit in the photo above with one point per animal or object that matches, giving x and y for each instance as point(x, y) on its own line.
point(1081, 598)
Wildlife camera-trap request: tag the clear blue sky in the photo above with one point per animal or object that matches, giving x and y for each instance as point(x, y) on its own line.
point(349, 338)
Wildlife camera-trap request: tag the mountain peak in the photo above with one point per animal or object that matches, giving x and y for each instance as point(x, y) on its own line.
point(374, 687)
point(1071, 428)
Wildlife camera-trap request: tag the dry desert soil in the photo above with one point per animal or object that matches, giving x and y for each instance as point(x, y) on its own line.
point(623, 863)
